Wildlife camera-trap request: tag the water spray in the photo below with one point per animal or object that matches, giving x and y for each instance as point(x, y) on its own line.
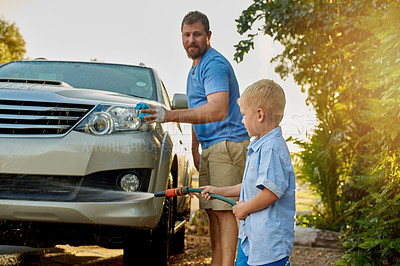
point(180, 191)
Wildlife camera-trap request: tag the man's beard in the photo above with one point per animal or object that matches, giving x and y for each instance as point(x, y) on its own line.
point(197, 54)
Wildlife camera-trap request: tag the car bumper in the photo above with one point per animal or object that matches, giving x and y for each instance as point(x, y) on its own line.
point(77, 155)
point(142, 212)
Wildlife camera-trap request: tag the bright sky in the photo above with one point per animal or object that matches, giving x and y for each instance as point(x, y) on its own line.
point(131, 32)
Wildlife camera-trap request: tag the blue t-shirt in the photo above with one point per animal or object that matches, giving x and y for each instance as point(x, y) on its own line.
point(267, 235)
point(215, 74)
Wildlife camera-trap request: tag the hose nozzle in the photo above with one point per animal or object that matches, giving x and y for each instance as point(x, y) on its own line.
point(180, 191)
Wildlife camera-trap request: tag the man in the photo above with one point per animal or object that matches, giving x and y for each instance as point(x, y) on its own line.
point(212, 91)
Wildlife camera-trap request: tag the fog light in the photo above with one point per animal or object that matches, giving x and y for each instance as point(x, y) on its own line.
point(129, 182)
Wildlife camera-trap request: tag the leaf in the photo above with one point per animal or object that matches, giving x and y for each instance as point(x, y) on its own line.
point(367, 245)
point(394, 220)
point(394, 134)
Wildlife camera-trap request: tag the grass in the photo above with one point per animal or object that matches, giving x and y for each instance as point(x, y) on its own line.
point(306, 199)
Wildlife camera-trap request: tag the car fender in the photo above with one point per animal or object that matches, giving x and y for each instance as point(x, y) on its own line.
point(165, 163)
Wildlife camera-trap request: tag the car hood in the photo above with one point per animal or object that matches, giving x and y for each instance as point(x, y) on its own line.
point(62, 93)
point(99, 96)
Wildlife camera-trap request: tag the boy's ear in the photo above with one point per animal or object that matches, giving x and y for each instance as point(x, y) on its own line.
point(260, 115)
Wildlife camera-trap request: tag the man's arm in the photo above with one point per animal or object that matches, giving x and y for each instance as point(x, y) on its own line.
point(262, 200)
point(214, 110)
point(195, 150)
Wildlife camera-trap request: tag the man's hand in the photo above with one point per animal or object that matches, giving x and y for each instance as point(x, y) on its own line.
point(157, 114)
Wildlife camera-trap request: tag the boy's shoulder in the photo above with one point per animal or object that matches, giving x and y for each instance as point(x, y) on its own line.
point(276, 145)
point(273, 140)
point(276, 142)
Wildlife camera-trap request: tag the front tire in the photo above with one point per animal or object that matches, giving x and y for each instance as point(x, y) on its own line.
point(151, 247)
point(162, 235)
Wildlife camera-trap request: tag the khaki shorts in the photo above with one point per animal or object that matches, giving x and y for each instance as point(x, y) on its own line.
point(221, 165)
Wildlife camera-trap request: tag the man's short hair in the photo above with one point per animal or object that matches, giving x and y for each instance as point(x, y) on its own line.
point(268, 95)
point(195, 16)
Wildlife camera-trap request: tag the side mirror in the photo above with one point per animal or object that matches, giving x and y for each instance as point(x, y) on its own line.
point(179, 101)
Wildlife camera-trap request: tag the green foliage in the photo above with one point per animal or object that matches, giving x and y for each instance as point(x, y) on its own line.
point(12, 45)
point(316, 220)
point(322, 50)
point(384, 79)
point(346, 55)
point(321, 167)
point(372, 235)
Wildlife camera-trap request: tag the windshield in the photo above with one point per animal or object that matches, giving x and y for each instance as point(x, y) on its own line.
point(125, 79)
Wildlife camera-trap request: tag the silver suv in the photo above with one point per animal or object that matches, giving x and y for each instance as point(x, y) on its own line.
point(79, 166)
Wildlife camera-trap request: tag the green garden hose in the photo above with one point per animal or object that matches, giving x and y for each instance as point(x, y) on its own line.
point(186, 190)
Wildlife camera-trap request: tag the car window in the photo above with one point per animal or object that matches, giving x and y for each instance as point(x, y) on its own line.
point(126, 79)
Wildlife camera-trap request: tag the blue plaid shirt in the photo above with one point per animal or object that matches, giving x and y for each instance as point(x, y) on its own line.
point(267, 235)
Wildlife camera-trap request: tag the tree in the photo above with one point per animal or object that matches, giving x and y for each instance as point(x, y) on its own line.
point(346, 55)
point(384, 79)
point(321, 42)
point(372, 235)
point(12, 45)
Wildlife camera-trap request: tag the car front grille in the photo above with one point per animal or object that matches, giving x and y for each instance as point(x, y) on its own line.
point(39, 118)
point(35, 187)
point(96, 187)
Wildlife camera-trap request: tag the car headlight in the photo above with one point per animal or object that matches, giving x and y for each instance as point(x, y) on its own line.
point(108, 119)
point(100, 123)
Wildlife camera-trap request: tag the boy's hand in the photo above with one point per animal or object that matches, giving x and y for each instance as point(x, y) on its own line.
point(239, 210)
point(206, 192)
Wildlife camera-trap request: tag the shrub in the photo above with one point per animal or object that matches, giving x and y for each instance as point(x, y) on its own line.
point(372, 235)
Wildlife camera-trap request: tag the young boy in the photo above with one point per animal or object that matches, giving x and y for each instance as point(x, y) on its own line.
point(266, 209)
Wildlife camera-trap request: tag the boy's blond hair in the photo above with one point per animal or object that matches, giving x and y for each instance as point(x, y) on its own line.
point(268, 95)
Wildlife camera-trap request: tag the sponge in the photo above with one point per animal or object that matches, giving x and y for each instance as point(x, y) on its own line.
point(141, 106)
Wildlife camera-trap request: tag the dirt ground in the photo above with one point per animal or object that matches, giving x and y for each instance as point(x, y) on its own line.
point(198, 252)
point(198, 248)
